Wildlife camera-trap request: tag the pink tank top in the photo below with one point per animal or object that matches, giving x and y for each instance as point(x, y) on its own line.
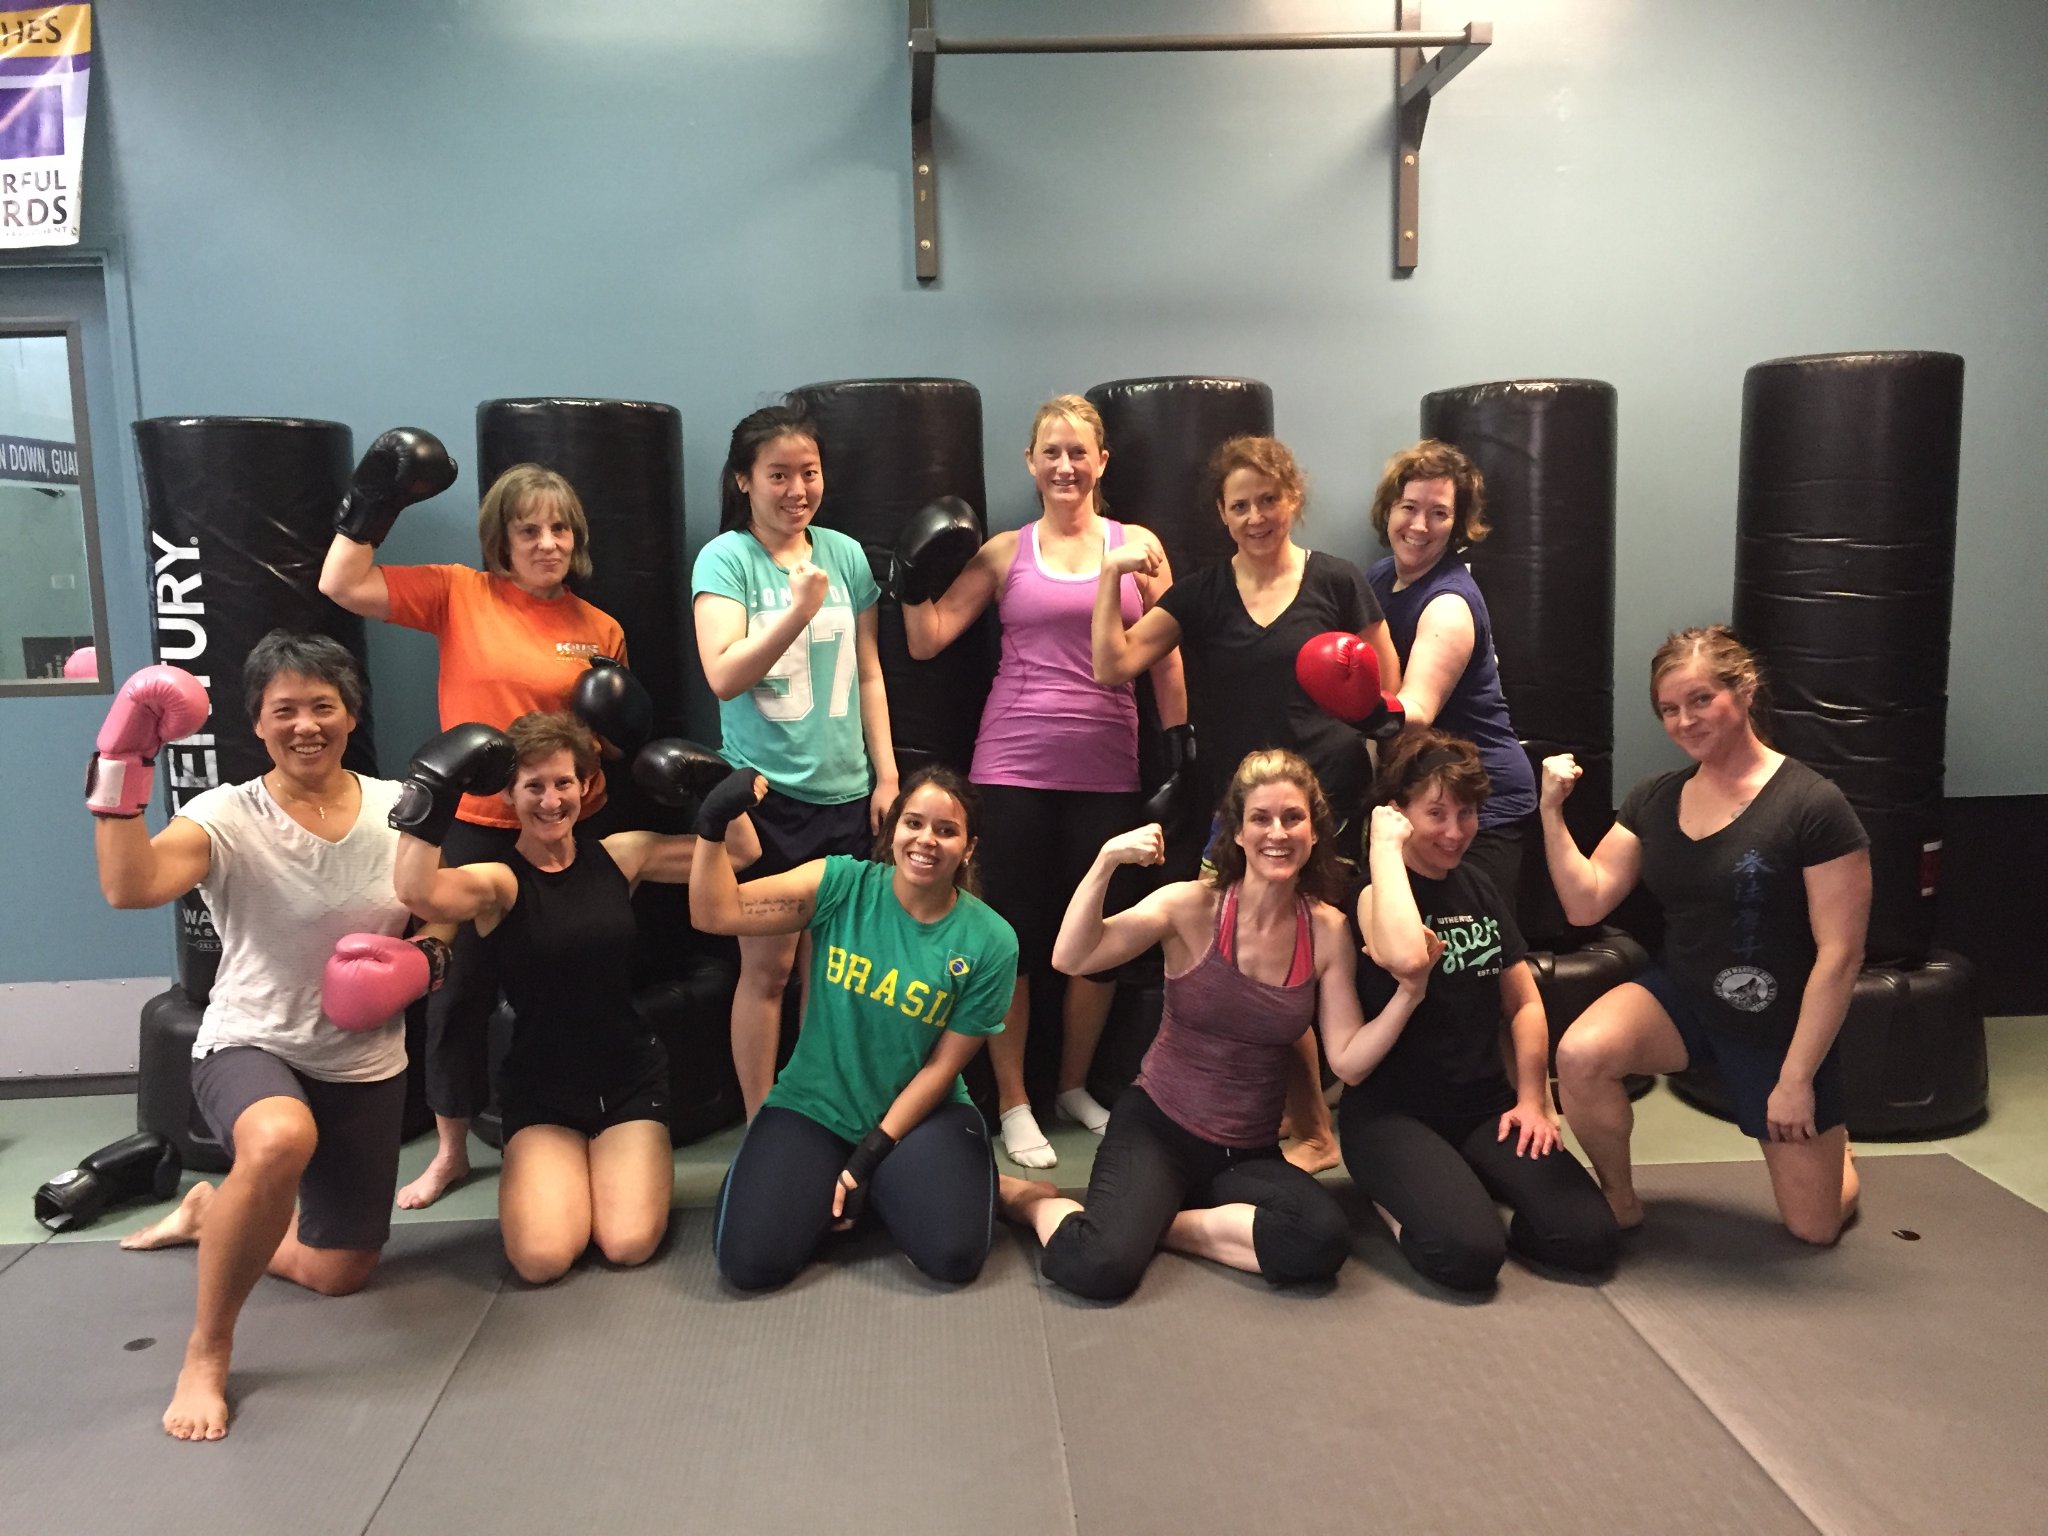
point(1218, 1066)
point(1048, 723)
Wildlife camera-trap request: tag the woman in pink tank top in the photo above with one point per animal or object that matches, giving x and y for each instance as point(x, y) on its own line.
point(1255, 956)
point(1056, 757)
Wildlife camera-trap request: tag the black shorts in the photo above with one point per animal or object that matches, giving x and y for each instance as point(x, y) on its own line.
point(1750, 1070)
point(638, 1094)
point(794, 832)
point(345, 1192)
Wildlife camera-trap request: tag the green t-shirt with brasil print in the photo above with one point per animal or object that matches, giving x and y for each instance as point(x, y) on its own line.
point(882, 986)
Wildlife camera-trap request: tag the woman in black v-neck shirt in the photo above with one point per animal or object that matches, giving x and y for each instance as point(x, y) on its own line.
point(1763, 872)
point(1239, 625)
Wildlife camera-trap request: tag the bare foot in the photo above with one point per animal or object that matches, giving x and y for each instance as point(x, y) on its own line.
point(181, 1226)
point(1627, 1206)
point(199, 1406)
point(1313, 1156)
point(442, 1175)
point(1016, 1197)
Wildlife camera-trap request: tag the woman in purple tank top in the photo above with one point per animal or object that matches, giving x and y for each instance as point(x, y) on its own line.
point(1056, 758)
point(1254, 957)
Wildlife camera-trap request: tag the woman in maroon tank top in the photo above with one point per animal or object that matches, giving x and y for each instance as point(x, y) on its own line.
point(1255, 956)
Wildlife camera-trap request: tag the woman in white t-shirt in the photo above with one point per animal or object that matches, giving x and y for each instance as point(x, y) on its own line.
point(289, 863)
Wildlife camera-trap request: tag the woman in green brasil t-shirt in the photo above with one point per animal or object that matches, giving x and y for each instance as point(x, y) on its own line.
point(909, 971)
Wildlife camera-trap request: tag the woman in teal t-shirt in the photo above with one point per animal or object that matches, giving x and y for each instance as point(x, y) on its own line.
point(786, 629)
point(909, 971)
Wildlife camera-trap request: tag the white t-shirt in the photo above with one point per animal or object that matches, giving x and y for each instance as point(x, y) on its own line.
point(281, 898)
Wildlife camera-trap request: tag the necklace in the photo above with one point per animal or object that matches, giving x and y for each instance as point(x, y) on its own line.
point(320, 809)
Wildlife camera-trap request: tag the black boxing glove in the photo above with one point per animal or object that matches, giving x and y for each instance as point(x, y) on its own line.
point(860, 1167)
point(933, 549)
point(136, 1167)
point(611, 701)
point(678, 773)
point(464, 759)
point(732, 797)
point(403, 466)
point(1174, 803)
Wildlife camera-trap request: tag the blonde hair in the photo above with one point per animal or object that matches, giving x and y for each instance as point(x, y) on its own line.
point(511, 495)
point(1076, 410)
point(1319, 876)
point(1728, 661)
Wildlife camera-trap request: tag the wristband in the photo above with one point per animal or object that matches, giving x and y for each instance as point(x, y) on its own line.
point(861, 1166)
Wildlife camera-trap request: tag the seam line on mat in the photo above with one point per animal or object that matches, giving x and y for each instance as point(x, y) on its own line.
point(1052, 1381)
point(440, 1393)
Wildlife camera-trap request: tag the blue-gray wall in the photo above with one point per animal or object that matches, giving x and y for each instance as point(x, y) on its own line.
point(385, 212)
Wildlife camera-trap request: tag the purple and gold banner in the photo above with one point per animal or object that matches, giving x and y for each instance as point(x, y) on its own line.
point(45, 66)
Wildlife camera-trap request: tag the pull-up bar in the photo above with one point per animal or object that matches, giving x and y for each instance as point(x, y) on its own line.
point(1416, 81)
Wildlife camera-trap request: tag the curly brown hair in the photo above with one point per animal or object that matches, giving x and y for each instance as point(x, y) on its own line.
point(1422, 760)
point(542, 734)
point(1320, 876)
point(1431, 459)
point(1267, 456)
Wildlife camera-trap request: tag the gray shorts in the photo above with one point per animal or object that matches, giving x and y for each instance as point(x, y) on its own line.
point(346, 1191)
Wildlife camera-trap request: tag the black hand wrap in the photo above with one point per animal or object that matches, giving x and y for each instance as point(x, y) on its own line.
point(860, 1167)
point(1386, 722)
point(465, 759)
point(402, 466)
point(733, 797)
point(437, 953)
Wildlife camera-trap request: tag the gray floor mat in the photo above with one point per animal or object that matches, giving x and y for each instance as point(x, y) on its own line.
point(328, 1394)
point(859, 1399)
point(1887, 1384)
point(1211, 1402)
point(9, 1252)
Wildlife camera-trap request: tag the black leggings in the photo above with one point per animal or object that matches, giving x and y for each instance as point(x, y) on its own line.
point(936, 1195)
point(1036, 844)
point(1149, 1168)
point(1440, 1178)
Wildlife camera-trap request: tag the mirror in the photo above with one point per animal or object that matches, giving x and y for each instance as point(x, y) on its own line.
point(51, 602)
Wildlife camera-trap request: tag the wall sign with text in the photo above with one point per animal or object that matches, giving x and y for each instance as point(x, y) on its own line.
point(45, 66)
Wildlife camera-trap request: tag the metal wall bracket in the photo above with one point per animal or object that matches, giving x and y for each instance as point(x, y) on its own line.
point(1416, 81)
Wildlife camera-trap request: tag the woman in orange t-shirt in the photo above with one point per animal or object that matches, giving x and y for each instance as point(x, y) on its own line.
point(514, 639)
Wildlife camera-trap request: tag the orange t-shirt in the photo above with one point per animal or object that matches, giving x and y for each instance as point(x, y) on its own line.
point(504, 653)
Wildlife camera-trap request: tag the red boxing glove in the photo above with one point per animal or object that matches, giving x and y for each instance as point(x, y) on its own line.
point(371, 977)
point(157, 705)
point(1341, 673)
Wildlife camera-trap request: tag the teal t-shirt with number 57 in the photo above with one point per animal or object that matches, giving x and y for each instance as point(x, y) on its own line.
point(799, 727)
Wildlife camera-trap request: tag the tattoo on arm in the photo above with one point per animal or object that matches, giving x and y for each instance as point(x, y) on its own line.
point(769, 906)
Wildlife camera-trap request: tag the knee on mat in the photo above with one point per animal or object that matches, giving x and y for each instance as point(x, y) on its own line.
point(1470, 1262)
point(1589, 1250)
point(1089, 1273)
point(950, 1263)
point(754, 1272)
point(630, 1248)
point(345, 1274)
point(1821, 1231)
point(1311, 1245)
point(541, 1262)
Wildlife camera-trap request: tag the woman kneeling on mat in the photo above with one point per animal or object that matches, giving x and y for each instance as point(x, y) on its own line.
point(584, 1088)
point(909, 970)
point(1763, 872)
point(1254, 957)
point(1438, 1133)
point(290, 865)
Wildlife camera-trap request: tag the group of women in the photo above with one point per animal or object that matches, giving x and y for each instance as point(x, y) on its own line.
point(1369, 925)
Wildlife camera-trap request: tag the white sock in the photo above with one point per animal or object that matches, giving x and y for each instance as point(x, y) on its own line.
point(1078, 1105)
point(1024, 1142)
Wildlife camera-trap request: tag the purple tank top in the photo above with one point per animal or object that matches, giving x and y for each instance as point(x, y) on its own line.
point(1048, 723)
point(1219, 1064)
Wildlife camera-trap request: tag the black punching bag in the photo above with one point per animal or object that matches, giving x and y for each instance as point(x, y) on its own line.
point(890, 446)
point(1161, 434)
point(1844, 579)
point(625, 459)
point(1547, 450)
point(240, 511)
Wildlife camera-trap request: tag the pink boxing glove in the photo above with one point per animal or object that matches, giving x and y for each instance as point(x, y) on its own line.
point(157, 705)
point(371, 976)
point(83, 662)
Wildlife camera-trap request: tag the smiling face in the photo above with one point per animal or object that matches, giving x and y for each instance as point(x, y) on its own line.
point(1444, 829)
point(1066, 462)
point(304, 725)
point(1419, 525)
point(1277, 832)
point(540, 543)
point(784, 487)
point(1699, 711)
point(930, 841)
point(1258, 512)
point(547, 796)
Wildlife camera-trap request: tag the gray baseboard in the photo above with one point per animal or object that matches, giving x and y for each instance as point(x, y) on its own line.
point(64, 1030)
